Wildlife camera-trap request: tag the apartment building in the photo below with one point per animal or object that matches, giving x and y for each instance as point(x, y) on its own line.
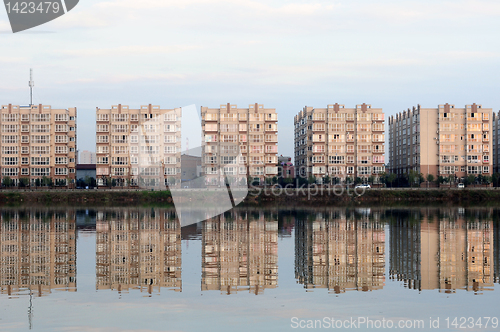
point(339, 142)
point(239, 142)
point(443, 141)
point(138, 249)
point(37, 251)
point(86, 157)
point(240, 253)
point(138, 147)
point(340, 252)
point(38, 142)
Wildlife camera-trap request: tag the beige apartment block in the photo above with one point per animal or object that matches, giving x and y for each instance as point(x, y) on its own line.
point(37, 252)
point(340, 252)
point(443, 141)
point(138, 147)
point(38, 142)
point(239, 253)
point(239, 142)
point(339, 142)
point(138, 249)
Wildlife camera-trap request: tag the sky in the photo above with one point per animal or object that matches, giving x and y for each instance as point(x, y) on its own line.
point(283, 54)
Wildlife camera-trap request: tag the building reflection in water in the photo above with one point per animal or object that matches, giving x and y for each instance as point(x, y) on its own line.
point(240, 252)
point(442, 249)
point(37, 251)
point(496, 254)
point(340, 250)
point(138, 249)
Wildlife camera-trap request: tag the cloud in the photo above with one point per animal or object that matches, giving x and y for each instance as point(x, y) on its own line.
point(127, 50)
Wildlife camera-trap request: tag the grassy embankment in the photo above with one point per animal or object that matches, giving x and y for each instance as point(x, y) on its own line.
point(124, 198)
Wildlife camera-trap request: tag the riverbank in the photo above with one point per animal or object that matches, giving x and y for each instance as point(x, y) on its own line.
point(314, 196)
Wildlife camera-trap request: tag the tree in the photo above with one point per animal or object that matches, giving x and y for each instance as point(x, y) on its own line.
point(495, 179)
point(430, 177)
point(391, 178)
point(24, 182)
point(327, 179)
point(312, 179)
point(371, 179)
point(471, 179)
point(7, 181)
point(412, 177)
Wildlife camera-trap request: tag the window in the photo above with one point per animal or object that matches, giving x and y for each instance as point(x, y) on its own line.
point(61, 117)
point(119, 117)
point(101, 138)
point(119, 128)
point(9, 150)
point(40, 160)
point(9, 128)
point(9, 161)
point(8, 171)
point(37, 171)
point(43, 139)
point(61, 171)
point(61, 149)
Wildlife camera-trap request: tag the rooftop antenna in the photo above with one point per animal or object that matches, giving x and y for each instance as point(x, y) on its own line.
point(31, 85)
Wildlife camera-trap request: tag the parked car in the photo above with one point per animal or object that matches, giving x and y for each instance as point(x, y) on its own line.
point(362, 186)
point(460, 185)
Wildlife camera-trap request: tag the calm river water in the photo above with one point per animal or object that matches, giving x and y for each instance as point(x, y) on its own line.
point(251, 269)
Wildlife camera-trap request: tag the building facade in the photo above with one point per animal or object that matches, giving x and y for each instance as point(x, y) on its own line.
point(239, 253)
point(138, 249)
point(86, 157)
point(443, 251)
point(339, 142)
point(138, 147)
point(239, 143)
point(38, 143)
point(340, 252)
point(443, 141)
point(37, 251)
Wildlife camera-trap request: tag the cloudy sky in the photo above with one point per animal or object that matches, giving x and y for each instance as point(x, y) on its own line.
point(283, 54)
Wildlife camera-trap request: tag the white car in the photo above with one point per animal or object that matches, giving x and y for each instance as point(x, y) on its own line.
point(460, 185)
point(362, 186)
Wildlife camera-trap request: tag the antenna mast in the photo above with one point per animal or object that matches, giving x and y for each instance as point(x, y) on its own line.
point(31, 85)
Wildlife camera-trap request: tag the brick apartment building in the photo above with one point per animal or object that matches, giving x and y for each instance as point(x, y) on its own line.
point(443, 141)
point(238, 141)
point(138, 147)
point(339, 142)
point(38, 142)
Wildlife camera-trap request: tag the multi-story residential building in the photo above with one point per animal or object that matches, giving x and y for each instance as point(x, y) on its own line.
point(240, 252)
point(339, 142)
point(340, 252)
point(138, 147)
point(138, 249)
point(37, 251)
point(444, 252)
point(238, 141)
point(38, 142)
point(444, 141)
point(86, 157)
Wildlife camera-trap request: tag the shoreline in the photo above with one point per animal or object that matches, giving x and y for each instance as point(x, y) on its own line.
point(311, 196)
